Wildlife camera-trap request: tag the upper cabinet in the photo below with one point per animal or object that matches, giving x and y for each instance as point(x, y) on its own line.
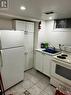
point(19, 25)
point(23, 26)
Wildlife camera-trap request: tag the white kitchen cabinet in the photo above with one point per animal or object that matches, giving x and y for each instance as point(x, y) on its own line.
point(19, 25)
point(46, 65)
point(23, 26)
point(42, 63)
point(39, 61)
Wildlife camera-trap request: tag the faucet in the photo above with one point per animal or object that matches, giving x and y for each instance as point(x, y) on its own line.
point(60, 47)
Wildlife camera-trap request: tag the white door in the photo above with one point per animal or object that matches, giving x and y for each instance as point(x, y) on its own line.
point(28, 42)
point(28, 60)
point(11, 38)
point(30, 27)
point(13, 66)
point(46, 65)
point(39, 61)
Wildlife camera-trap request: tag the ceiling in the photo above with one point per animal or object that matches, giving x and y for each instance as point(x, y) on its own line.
point(35, 9)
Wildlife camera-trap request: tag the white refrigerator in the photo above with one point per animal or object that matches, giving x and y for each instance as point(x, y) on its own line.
point(11, 57)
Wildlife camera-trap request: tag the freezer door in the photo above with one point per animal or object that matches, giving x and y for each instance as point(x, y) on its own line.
point(13, 66)
point(10, 38)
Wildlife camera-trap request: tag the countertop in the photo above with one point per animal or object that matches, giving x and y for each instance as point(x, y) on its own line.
point(67, 60)
point(41, 50)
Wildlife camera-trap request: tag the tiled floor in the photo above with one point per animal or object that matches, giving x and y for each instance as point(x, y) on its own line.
point(34, 82)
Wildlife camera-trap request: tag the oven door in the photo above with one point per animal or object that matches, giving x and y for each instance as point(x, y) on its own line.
point(61, 71)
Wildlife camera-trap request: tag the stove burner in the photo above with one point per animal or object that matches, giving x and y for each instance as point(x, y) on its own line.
point(62, 57)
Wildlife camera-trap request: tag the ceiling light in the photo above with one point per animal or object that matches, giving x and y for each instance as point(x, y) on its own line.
point(50, 18)
point(23, 8)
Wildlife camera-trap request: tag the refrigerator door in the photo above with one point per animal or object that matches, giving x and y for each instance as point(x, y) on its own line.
point(10, 38)
point(13, 66)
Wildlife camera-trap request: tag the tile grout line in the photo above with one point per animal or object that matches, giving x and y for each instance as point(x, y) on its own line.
point(36, 83)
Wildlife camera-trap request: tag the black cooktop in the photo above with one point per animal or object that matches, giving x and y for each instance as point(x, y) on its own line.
point(62, 56)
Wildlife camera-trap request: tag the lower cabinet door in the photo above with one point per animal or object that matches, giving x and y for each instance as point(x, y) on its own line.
point(39, 61)
point(42, 62)
point(46, 65)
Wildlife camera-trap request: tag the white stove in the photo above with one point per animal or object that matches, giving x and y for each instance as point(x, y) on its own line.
point(61, 70)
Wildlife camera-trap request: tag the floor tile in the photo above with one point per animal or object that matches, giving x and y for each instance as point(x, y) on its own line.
point(27, 84)
point(50, 90)
point(32, 71)
point(16, 90)
point(35, 90)
point(36, 73)
point(43, 83)
point(44, 93)
point(27, 76)
point(34, 79)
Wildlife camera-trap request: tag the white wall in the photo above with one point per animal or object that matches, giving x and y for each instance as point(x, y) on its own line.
point(53, 36)
point(5, 24)
point(41, 34)
point(35, 34)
